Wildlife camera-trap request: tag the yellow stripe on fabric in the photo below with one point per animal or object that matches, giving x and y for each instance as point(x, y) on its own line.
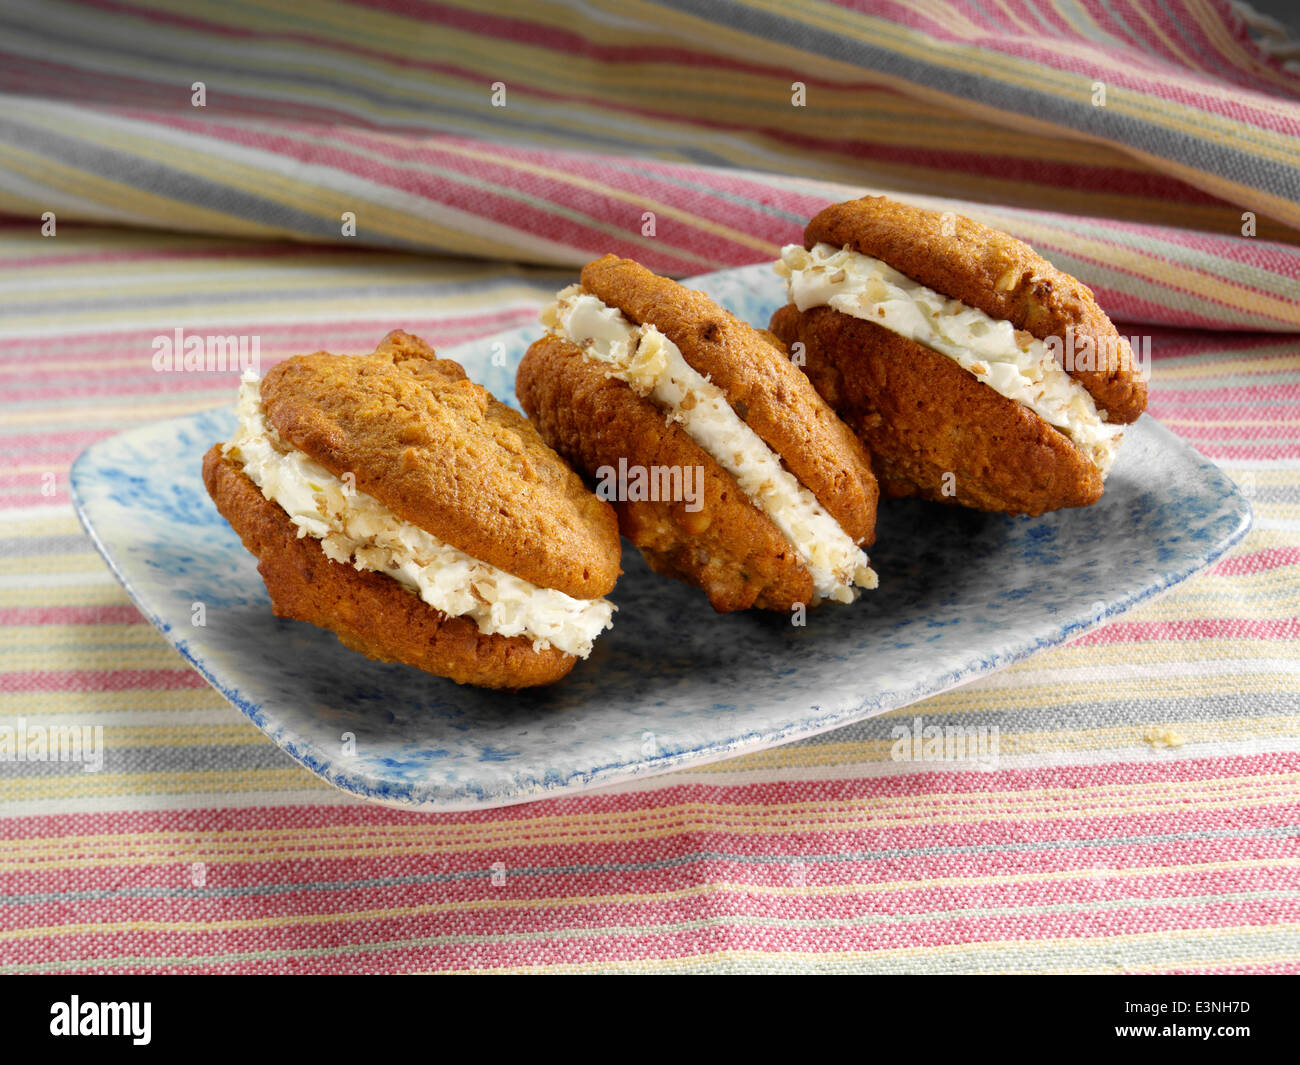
point(944, 809)
point(60, 637)
point(71, 562)
point(38, 528)
point(125, 199)
point(105, 593)
point(1262, 477)
point(1276, 512)
point(242, 733)
point(1225, 604)
point(984, 699)
point(381, 844)
point(149, 700)
point(123, 412)
point(212, 853)
point(507, 823)
point(252, 840)
point(1010, 16)
point(1146, 738)
point(66, 655)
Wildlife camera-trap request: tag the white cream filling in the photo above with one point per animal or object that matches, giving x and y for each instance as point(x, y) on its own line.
point(656, 369)
point(356, 528)
point(1011, 362)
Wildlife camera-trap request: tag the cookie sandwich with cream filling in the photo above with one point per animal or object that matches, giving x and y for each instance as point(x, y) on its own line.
point(639, 373)
point(395, 502)
point(974, 371)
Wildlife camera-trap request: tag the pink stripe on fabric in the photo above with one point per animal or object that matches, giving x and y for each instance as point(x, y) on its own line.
point(1243, 565)
point(1206, 399)
point(105, 680)
point(621, 937)
point(35, 499)
point(1225, 628)
point(1249, 452)
point(1244, 413)
point(277, 335)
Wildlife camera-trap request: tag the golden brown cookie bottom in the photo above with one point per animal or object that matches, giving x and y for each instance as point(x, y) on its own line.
point(368, 612)
point(729, 548)
point(933, 429)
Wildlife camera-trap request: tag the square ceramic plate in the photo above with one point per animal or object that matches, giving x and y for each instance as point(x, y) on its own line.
point(673, 684)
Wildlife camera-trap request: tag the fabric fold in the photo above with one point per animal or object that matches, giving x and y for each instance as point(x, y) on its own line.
point(1151, 149)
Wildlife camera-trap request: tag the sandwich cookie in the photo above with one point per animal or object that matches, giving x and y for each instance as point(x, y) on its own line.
point(974, 371)
point(395, 502)
point(640, 373)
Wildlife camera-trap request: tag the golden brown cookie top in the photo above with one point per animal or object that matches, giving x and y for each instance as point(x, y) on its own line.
point(992, 271)
point(761, 384)
point(444, 454)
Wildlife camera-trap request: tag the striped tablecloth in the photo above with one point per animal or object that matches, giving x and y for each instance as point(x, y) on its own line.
point(1145, 809)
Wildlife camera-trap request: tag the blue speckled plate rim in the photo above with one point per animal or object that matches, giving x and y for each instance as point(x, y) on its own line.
point(719, 750)
point(406, 794)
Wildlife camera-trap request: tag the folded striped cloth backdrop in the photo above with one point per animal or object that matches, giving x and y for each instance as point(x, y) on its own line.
point(195, 165)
